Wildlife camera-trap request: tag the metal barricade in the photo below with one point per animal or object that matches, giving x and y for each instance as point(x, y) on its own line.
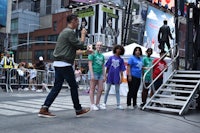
point(51, 78)
point(41, 77)
point(4, 79)
point(84, 82)
point(18, 78)
point(45, 79)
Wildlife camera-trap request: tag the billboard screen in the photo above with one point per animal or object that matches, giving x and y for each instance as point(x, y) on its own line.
point(154, 21)
point(3, 12)
point(103, 23)
point(165, 3)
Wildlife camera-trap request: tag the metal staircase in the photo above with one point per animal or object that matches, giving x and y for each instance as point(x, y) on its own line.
point(178, 93)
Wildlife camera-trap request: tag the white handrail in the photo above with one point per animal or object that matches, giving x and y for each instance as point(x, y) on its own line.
point(150, 68)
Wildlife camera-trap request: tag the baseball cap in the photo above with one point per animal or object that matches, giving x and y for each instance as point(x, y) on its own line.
point(41, 58)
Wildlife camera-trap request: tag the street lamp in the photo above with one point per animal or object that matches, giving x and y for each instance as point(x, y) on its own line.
point(28, 41)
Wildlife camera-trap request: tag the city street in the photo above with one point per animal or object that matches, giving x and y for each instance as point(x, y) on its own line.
point(18, 114)
point(35, 33)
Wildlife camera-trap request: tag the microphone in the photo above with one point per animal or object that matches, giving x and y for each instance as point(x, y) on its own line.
point(90, 47)
point(86, 35)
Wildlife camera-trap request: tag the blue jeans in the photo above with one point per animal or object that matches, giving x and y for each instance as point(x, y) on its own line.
point(117, 93)
point(62, 73)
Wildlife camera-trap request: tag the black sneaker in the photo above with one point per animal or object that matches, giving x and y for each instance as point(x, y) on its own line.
point(44, 112)
point(82, 112)
point(141, 105)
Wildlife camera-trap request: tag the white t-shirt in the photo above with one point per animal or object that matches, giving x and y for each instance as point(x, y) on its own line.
point(33, 73)
point(60, 64)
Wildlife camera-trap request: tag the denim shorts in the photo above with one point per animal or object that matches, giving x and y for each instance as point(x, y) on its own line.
point(97, 76)
point(148, 81)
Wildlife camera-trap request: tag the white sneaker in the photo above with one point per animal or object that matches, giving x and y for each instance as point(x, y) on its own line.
point(102, 106)
point(26, 89)
point(39, 90)
point(20, 89)
point(33, 89)
point(94, 107)
point(120, 107)
point(128, 107)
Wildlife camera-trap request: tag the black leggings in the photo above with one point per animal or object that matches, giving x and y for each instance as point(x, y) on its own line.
point(133, 90)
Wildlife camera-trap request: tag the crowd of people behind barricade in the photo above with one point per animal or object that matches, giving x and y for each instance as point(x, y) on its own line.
point(24, 76)
point(28, 76)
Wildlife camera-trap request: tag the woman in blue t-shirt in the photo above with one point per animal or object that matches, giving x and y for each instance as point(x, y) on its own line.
point(134, 74)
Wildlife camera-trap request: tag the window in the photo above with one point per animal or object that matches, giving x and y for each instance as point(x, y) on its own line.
point(22, 55)
point(54, 25)
point(48, 7)
point(52, 38)
point(14, 25)
point(40, 38)
point(23, 41)
point(50, 54)
point(2, 39)
point(14, 40)
point(37, 6)
point(64, 3)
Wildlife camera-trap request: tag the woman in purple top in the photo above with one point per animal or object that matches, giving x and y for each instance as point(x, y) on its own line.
point(114, 70)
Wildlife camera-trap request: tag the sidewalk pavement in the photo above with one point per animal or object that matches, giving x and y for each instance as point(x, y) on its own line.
point(110, 120)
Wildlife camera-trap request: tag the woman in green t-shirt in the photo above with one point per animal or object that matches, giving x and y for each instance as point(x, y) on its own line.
point(96, 75)
point(147, 62)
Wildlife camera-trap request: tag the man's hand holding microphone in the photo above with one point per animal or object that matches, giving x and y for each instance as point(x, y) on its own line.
point(83, 36)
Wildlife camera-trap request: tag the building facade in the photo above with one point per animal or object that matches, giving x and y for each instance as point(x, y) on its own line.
point(42, 41)
point(38, 37)
point(32, 21)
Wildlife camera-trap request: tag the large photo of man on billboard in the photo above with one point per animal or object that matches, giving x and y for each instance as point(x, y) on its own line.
point(154, 22)
point(110, 33)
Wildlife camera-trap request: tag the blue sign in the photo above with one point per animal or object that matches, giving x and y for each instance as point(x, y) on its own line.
point(3, 12)
point(154, 21)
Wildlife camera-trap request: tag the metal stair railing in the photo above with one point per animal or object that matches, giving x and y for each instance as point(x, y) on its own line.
point(185, 105)
point(175, 48)
point(150, 70)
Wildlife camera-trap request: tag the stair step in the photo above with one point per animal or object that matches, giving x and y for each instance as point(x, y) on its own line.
point(178, 91)
point(185, 81)
point(187, 75)
point(171, 96)
point(163, 109)
point(169, 101)
point(180, 85)
point(181, 71)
